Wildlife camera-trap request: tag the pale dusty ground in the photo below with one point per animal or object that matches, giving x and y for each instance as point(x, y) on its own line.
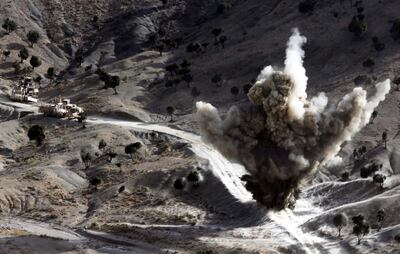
point(45, 191)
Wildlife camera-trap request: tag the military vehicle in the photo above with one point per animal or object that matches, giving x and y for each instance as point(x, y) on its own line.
point(62, 109)
point(25, 91)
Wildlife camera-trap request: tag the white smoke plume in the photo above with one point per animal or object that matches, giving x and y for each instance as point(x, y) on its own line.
point(280, 136)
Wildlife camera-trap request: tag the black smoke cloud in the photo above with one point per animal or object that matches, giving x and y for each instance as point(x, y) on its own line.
point(280, 135)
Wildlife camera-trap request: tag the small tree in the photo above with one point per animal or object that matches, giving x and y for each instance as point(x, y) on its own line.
point(368, 170)
point(374, 115)
point(38, 80)
point(82, 119)
point(234, 91)
point(180, 183)
point(172, 69)
point(194, 47)
point(195, 93)
point(395, 30)
point(378, 45)
point(397, 238)
point(369, 63)
point(111, 154)
point(307, 6)
point(188, 78)
point(222, 40)
point(35, 62)
point(109, 81)
point(379, 179)
point(340, 221)
point(6, 54)
point(9, 25)
point(33, 37)
point(217, 79)
point(23, 54)
point(160, 48)
point(50, 73)
point(223, 5)
point(193, 176)
point(216, 32)
point(102, 145)
point(86, 158)
point(170, 111)
point(345, 176)
point(246, 88)
point(132, 149)
point(384, 138)
point(380, 218)
point(361, 227)
point(121, 189)
point(95, 181)
point(358, 27)
point(36, 133)
point(114, 83)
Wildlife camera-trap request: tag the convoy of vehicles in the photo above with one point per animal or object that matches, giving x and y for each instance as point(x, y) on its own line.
point(25, 91)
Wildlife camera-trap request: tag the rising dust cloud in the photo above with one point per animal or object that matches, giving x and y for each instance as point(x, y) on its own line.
point(280, 135)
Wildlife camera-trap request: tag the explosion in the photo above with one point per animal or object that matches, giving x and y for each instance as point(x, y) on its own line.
point(280, 135)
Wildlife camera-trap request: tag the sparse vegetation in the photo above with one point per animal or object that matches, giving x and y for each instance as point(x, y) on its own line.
point(195, 93)
point(234, 91)
point(180, 183)
point(102, 145)
point(33, 37)
point(132, 149)
point(194, 176)
point(35, 62)
point(217, 79)
point(216, 32)
point(170, 111)
point(111, 154)
point(109, 80)
point(395, 30)
point(23, 54)
point(95, 181)
point(358, 27)
point(378, 45)
point(397, 238)
point(86, 158)
point(340, 221)
point(379, 179)
point(9, 25)
point(246, 88)
point(385, 138)
point(345, 176)
point(36, 133)
point(380, 217)
point(361, 227)
point(369, 169)
point(374, 115)
point(369, 63)
point(307, 6)
point(223, 6)
point(6, 54)
point(51, 73)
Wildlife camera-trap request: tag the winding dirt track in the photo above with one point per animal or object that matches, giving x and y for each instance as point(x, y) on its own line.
point(285, 225)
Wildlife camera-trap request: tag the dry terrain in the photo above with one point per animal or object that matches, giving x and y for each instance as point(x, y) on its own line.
point(51, 202)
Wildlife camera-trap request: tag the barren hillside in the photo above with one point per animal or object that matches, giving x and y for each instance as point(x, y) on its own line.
point(134, 175)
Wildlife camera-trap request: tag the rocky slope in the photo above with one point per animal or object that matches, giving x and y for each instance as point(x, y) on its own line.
point(47, 191)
